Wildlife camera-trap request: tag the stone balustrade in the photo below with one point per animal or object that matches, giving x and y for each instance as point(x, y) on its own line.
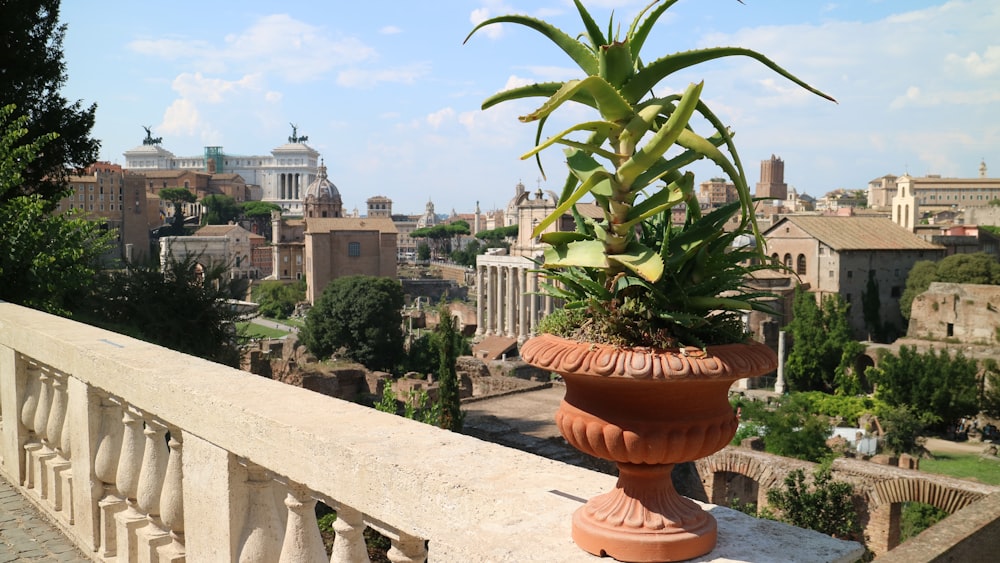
point(142, 454)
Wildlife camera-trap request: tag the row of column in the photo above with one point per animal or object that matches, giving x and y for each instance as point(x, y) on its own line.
point(288, 185)
point(508, 303)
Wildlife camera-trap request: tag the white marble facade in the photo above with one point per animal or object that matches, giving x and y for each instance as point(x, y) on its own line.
point(508, 302)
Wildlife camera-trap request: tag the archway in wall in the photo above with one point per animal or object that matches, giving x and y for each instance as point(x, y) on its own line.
point(734, 489)
point(862, 363)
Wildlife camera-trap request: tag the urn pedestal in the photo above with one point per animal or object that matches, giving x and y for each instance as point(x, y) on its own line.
point(646, 409)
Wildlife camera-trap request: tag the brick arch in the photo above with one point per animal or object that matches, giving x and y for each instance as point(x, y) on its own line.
point(767, 475)
point(944, 497)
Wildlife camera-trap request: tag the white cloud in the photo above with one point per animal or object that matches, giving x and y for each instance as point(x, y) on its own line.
point(478, 16)
point(366, 78)
point(390, 30)
point(196, 87)
point(439, 117)
point(981, 66)
point(273, 97)
point(181, 118)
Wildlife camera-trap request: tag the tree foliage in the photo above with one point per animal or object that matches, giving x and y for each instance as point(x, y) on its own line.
point(498, 235)
point(440, 236)
point(33, 72)
point(937, 385)
point(820, 338)
point(467, 256)
point(825, 506)
point(45, 259)
point(448, 342)
point(978, 268)
point(185, 307)
point(277, 299)
point(220, 209)
point(793, 430)
point(871, 309)
point(361, 315)
point(177, 196)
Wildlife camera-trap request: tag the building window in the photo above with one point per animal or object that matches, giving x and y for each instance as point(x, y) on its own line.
point(896, 291)
point(788, 261)
point(831, 274)
point(800, 265)
point(354, 249)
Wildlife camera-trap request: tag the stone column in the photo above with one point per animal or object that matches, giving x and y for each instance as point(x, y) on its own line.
point(522, 309)
point(501, 302)
point(533, 304)
point(509, 327)
point(480, 300)
point(779, 385)
point(488, 291)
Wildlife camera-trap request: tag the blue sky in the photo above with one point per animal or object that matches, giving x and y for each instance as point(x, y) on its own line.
point(391, 98)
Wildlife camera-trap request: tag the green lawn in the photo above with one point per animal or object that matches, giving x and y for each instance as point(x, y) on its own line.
point(257, 331)
point(964, 466)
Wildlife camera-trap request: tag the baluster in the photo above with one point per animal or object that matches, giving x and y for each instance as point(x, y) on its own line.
point(109, 449)
point(349, 541)
point(57, 475)
point(43, 454)
point(151, 476)
point(261, 539)
point(302, 542)
point(407, 549)
point(32, 392)
point(128, 521)
point(171, 501)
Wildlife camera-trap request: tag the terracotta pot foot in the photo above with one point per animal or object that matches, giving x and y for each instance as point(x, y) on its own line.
point(644, 519)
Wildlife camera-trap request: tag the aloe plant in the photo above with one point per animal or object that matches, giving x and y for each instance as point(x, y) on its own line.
point(633, 268)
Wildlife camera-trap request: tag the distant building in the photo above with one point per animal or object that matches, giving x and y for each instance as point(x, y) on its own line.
point(836, 255)
point(281, 176)
point(967, 313)
point(772, 180)
point(718, 192)
point(881, 191)
point(106, 193)
point(213, 245)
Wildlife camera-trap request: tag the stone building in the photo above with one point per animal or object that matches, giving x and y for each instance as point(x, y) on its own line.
point(230, 245)
point(105, 192)
point(325, 244)
point(836, 255)
point(281, 176)
point(968, 313)
point(772, 180)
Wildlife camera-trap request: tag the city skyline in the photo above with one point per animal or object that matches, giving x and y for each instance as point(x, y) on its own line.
point(390, 97)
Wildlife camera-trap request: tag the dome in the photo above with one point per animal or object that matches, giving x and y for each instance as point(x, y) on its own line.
point(322, 188)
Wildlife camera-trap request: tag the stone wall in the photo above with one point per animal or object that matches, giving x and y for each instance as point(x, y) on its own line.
point(968, 313)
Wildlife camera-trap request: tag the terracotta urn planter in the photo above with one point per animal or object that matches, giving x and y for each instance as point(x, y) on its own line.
point(646, 409)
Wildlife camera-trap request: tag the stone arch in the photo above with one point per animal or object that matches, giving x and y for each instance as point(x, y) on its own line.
point(732, 469)
point(897, 491)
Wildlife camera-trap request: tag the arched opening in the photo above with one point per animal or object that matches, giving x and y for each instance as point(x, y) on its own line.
point(800, 265)
point(788, 261)
point(735, 490)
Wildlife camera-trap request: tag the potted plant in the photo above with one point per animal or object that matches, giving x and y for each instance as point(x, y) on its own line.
point(651, 335)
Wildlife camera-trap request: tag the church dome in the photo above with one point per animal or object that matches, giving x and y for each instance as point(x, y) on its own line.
point(322, 188)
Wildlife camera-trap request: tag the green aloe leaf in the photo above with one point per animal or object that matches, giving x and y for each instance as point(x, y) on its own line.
point(663, 199)
point(653, 73)
point(610, 103)
point(594, 179)
point(584, 253)
point(563, 237)
point(581, 55)
point(604, 128)
point(642, 260)
point(538, 90)
point(593, 30)
point(638, 33)
point(675, 126)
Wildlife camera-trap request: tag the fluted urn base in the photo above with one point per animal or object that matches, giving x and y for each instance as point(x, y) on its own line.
point(646, 409)
point(644, 519)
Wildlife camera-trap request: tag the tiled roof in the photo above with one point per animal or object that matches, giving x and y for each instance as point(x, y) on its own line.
point(857, 233)
point(215, 230)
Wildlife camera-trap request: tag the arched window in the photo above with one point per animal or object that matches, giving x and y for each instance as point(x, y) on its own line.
point(774, 257)
point(788, 261)
point(800, 265)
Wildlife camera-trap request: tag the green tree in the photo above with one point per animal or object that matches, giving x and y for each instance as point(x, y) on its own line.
point(498, 235)
point(177, 196)
point(939, 386)
point(33, 72)
point(826, 506)
point(820, 336)
point(258, 213)
point(277, 299)
point(448, 342)
point(903, 427)
point(220, 209)
point(871, 309)
point(45, 259)
point(978, 268)
point(467, 256)
point(990, 401)
point(794, 431)
point(423, 251)
point(915, 517)
point(185, 307)
point(361, 315)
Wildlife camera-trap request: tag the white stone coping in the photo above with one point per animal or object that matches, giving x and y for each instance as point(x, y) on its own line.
point(474, 500)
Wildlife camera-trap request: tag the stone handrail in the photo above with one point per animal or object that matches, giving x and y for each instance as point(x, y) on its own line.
point(144, 454)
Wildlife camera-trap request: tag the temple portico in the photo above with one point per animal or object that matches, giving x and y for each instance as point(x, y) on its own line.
point(509, 304)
